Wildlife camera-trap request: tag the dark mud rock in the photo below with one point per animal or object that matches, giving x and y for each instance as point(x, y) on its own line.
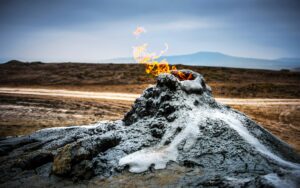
point(157, 130)
point(7, 145)
point(62, 162)
point(82, 170)
point(167, 82)
point(73, 160)
point(175, 135)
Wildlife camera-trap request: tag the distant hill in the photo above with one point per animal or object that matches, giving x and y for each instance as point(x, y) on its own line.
point(14, 62)
point(217, 59)
point(17, 62)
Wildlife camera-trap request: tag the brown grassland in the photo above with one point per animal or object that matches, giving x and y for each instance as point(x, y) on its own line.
point(131, 78)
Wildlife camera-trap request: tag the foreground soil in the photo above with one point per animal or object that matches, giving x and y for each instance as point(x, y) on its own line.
point(24, 114)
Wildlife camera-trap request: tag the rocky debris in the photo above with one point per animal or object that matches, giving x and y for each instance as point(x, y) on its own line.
point(175, 135)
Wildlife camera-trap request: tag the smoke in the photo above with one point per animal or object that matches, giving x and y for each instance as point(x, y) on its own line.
point(138, 31)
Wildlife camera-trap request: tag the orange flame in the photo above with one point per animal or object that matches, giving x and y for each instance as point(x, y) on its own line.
point(153, 65)
point(182, 75)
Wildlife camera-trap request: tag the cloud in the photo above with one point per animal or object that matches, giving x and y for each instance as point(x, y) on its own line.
point(103, 29)
point(187, 24)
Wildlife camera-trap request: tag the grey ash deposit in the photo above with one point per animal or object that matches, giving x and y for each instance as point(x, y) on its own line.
point(176, 134)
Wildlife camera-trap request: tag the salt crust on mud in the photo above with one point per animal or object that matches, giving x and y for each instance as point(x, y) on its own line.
point(160, 155)
point(192, 85)
point(279, 182)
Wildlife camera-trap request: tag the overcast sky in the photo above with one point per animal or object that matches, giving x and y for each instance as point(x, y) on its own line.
point(70, 30)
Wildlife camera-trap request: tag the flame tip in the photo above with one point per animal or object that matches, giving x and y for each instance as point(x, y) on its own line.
point(150, 60)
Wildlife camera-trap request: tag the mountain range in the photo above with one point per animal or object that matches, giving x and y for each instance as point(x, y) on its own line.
point(217, 59)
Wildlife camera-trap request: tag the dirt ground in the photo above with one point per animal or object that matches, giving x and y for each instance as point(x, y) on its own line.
point(24, 114)
point(281, 120)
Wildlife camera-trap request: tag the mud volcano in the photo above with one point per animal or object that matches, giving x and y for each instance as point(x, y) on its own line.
point(175, 135)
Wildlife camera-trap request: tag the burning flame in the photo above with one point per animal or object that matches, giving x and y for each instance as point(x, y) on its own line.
point(153, 65)
point(182, 75)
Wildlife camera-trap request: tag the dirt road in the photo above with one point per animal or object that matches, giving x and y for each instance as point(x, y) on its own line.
point(69, 93)
point(132, 97)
